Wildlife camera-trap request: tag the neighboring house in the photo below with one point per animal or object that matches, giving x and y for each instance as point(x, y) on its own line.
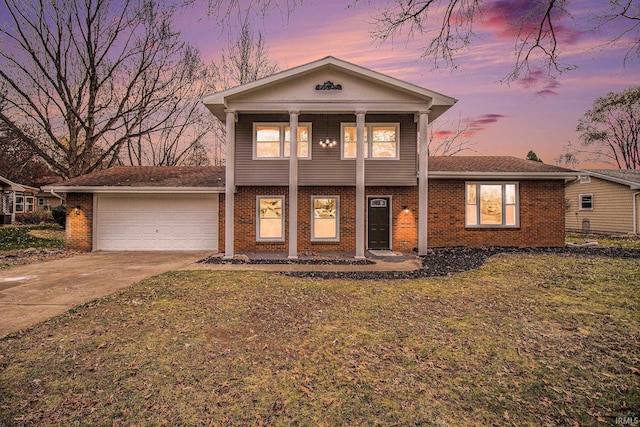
point(46, 201)
point(604, 201)
point(359, 179)
point(17, 199)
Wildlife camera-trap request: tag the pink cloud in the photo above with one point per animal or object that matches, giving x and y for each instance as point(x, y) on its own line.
point(508, 18)
point(472, 126)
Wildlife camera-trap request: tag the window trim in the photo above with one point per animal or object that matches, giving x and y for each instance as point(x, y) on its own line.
point(313, 222)
point(580, 201)
point(282, 227)
point(22, 203)
point(282, 126)
point(29, 201)
point(478, 184)
point(369, 141)
point(40, 201)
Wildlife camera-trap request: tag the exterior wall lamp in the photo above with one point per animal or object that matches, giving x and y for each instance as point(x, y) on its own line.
point(76, 209)
point(405, 209)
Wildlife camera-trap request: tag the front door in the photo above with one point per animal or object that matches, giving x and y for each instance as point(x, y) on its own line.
point(378, 214)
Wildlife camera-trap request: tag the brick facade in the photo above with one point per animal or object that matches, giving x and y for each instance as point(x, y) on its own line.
point(541, 217)
point(79, 228)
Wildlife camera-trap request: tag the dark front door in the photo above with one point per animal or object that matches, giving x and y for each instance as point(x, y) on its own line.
point(378, 216)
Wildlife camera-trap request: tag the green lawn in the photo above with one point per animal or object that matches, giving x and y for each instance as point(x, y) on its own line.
point(15, 238)
point(524, 340)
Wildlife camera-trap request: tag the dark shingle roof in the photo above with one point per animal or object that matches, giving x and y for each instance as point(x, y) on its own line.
point(488, 164)
point(632, 176)
point(151, 176)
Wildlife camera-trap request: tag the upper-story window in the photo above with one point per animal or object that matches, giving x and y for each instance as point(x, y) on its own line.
point(273, 140)
point(380, 139)
point(586, 202)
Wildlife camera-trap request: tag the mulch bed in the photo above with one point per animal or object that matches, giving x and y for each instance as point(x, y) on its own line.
point(32, 256)
point(444, 261)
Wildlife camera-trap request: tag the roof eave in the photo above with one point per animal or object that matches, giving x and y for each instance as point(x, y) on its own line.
point(501, 175)
point(133, 190)
point(632, 185)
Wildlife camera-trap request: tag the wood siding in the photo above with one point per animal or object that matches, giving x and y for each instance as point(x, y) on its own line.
point(325, 166)
point(612, 207)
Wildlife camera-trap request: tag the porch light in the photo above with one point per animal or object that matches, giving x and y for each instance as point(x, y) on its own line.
point(77, 209)
point(328, 143)
point(405, 209)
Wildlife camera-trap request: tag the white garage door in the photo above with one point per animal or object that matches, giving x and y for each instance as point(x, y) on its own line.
point(156, 222)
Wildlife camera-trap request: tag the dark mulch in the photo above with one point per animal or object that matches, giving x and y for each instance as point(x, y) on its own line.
point(444, 261)
point(283, 261)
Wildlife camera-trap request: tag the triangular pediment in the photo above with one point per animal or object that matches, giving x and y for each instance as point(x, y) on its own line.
point(328, 85)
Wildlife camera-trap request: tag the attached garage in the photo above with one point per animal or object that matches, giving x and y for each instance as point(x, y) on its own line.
point(144, 208)
point(148, 222)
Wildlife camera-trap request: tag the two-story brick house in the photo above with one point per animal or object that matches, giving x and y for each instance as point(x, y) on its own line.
point(328, 156)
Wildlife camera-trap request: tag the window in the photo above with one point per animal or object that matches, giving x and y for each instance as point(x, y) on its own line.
point(40, 201)
point(380, 139)
point(586, 202)
point(325, 218)
point(29, 200)
point(270, 218)
point(492, 205)
point(19, 203)
point(273, 140)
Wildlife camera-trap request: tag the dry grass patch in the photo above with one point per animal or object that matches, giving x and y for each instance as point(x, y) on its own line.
point(525, 340)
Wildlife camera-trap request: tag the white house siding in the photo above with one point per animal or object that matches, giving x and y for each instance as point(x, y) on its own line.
point(612, 207)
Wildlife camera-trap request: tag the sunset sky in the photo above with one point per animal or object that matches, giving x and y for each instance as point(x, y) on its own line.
point(537, 114)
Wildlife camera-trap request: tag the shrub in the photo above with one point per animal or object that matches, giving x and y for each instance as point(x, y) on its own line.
point(35, 217)
point(60, 215)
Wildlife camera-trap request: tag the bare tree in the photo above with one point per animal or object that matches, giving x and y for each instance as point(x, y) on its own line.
point(610, 130)
point(446, 139)
point(538, 28)
point(84, 78)
point(245, 59)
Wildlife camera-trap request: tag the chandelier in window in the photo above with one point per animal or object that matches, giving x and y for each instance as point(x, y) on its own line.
point(328, 142)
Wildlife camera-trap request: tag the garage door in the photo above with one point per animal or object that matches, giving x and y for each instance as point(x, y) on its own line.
point(156, 222)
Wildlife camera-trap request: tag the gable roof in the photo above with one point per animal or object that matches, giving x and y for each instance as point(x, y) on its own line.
point(503, 167)
point(218, 102)
point(5, 182)
point(148, 179)
point(630, 177)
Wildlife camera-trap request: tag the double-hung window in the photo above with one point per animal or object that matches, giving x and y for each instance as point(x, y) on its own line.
point(586, 202)
point(492, 204)
point(270, 219)
point(19, 203)
point(325, 218)
point(380, 140)
point(273, 140)
point(29, 203)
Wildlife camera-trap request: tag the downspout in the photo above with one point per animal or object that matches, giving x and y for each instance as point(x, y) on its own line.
point(635, 212)
point(53, 193)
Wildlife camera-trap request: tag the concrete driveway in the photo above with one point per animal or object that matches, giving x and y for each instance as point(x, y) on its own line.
point(32, 293)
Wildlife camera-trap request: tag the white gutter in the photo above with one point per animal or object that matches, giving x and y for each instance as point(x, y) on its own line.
point(124, 190)
point(500, 175)
point(635, 212)
point(53, 193)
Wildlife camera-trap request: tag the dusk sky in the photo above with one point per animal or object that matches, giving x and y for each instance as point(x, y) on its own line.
point(537, 114)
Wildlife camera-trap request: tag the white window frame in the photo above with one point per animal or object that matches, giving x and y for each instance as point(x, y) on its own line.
point(313, 222)
point(17, 203)
point(477, 205)
point(369, 142)
point(40, 201)
point(581, 201)
point(282, 130)
point(29, 204)
point(282, 218)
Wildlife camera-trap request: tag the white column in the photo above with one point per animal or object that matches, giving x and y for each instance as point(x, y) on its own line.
point(423, 184)
point(360, 185)
point(293, 185)
point(230, 184)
